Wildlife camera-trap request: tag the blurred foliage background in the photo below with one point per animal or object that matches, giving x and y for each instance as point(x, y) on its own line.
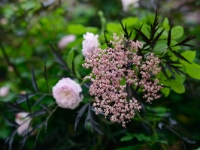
point(26, 29)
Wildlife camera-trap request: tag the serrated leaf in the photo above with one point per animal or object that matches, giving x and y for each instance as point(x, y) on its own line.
point(144, 37)
point(10, 140)
point(35, 86)
point(28, 103)
point(36, 139)
point(37, 113)
point(45, 73)
point(39, 100)
point(169, 37)
point(164, 72)
point(59, 59)
point(171, 70)
point(137, 34)
point(180, 56)
point(183, 42)
point(25, 134)
point(22, 98)
point(48, 109)
point(80, 113)
point(11, 123)
point(38, 126)
point(155, 40)
point(45, 126)
point(175, 48)
point(90, 119)
point(14, 107)
point(124, 28)
point(106, 40)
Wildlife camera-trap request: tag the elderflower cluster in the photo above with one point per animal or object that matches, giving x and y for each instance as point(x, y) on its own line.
point(110, 68)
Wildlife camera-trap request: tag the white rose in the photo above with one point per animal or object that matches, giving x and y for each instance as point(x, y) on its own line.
point(23, 121)
point(127, 3)
point(89, 43)
point(4, 91)
point(64, 41)
point(66, 92)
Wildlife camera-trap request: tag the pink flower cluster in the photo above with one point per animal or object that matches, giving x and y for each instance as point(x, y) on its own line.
point(110, 75)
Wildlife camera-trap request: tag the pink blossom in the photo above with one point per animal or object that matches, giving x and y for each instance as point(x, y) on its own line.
point(67, 93)
point(23, 121)
point(90, 43)
point(64, 41)
point(4, 91)
point(121, 63)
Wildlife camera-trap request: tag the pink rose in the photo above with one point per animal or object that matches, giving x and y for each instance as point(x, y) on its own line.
point(23, 121)
point(66, 92)
point(4, 91)
point(90, 43)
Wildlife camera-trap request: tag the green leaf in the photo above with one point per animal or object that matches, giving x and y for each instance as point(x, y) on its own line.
point(166, 24)
point(160, 47)
point(142, 137)
point(126, 138)
point(189, 55)
point(180, 77)
point(173, 57)
point(77, 63)
point(177, 32)
point(130, 22)
point(145, 30)
point(193, 70)
point(176, 48)
point(177, 86)
point(161, 141)
point(158, 109)
point(77, 29)
point(92, 29)
point(114, 27)
point(165, 91)
point(197, 149)
point(70, 58)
